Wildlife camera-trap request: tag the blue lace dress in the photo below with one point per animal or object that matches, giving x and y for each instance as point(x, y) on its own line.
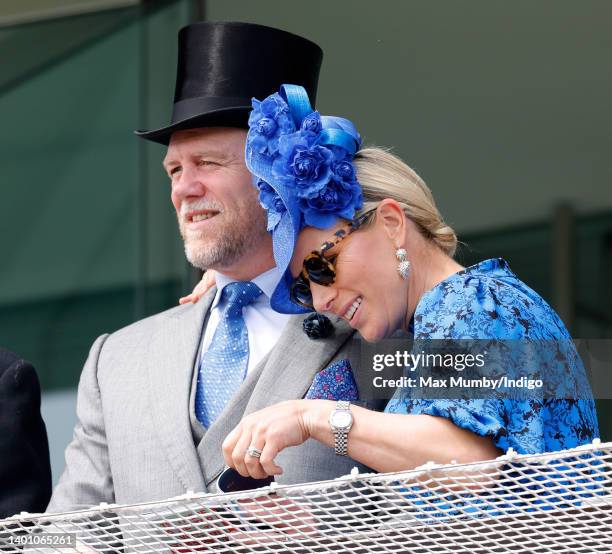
point(488, 301)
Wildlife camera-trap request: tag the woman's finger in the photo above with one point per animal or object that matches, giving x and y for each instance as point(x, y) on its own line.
point(206, 283)
point(266, 460)
point(193, 298)
point(239, 452)
point(229, 444)
point(251, 460)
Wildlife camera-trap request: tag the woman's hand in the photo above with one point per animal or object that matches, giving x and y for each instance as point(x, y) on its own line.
point(270, 430)
point(385, 442)
point(206, 283)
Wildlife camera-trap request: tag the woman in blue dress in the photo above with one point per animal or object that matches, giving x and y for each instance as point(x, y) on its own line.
point(357, 233)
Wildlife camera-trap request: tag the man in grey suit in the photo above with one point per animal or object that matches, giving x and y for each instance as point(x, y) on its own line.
point(154, 404)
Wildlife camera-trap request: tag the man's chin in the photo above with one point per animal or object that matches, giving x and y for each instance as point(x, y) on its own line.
point(209, 256)
point(199, 257)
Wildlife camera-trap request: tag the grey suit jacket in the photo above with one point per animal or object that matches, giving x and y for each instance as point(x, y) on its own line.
point(133, 441)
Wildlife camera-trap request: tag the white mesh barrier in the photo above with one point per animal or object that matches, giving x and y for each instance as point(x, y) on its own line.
point(555, 502)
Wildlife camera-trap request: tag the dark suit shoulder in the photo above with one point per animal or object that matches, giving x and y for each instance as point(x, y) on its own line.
point(25, 472)
point(22, 371)
point(7, 359)
point(19, 392)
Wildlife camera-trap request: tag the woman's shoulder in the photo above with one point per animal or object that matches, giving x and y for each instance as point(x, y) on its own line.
point(486, 300)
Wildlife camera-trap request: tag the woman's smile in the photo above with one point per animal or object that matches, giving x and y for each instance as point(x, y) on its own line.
point(350, 312)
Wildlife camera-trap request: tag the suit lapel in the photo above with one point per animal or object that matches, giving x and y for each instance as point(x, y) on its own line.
point(294, 362)
point(209, 449)
point(285, 373)
point(172, 356)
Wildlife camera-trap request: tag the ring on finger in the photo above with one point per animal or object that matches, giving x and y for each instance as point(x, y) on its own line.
point(253, 452)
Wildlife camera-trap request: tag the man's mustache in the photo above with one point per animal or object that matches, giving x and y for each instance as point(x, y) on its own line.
point(200, 205)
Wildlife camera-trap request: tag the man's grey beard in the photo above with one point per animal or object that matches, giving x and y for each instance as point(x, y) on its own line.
point(220, 251)
point(232, 241)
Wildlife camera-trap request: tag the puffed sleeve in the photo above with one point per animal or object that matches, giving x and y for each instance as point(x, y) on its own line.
point(500, 307)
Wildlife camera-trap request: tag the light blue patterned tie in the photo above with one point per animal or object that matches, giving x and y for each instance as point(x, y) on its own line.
point(223, 366)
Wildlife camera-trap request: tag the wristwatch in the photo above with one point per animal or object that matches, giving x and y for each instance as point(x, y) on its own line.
point(341, 421)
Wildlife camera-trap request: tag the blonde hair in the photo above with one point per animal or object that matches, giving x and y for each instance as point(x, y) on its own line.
point(383, 175)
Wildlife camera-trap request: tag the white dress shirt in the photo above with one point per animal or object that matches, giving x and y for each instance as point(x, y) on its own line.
point(264, 325)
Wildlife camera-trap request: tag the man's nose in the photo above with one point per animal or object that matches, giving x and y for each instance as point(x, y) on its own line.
point(188, 183)
point(322, 297)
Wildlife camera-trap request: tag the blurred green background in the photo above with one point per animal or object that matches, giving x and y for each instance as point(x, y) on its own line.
point(503, 108)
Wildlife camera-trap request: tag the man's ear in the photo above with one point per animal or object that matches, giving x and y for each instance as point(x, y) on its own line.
point(390, 216)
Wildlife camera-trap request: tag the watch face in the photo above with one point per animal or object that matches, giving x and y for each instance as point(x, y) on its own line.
point(341, 419)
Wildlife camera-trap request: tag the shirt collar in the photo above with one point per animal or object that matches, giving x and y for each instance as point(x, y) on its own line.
point(266, 281)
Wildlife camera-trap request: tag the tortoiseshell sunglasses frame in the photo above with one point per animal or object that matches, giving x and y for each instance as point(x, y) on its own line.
point(300, 288)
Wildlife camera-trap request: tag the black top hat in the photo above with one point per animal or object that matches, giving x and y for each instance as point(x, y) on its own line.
point(222, 65)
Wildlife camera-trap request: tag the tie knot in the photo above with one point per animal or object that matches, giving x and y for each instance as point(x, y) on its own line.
point(238, 294)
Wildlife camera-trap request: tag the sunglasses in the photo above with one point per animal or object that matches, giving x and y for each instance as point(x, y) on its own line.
point(319, 269)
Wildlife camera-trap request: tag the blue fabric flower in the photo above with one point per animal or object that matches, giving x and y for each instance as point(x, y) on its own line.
point(269, 120)
point(312, 123)
point(302, 165)
point(266, 126)
point(336, 199)
point(272, 203)
point(344, 170)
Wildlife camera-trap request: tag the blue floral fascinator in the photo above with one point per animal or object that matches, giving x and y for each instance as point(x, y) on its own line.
point(302, 164)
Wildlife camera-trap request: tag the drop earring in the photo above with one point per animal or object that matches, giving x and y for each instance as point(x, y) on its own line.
point(403, 267)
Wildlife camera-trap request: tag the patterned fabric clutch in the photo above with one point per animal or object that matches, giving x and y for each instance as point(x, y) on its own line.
point(335, 382)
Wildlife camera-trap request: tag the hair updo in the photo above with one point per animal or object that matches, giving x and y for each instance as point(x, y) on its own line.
point(383, 175)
